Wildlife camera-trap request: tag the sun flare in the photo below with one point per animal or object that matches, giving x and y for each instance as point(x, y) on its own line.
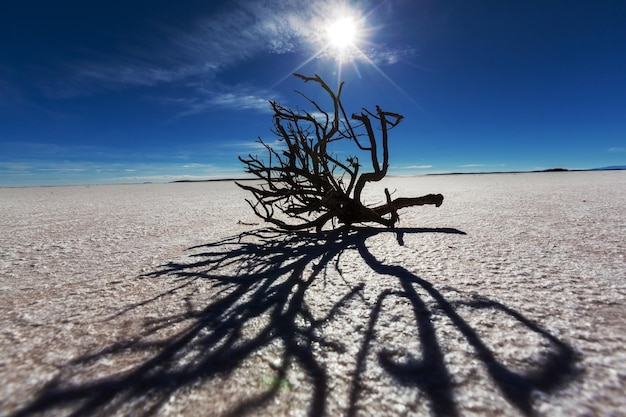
point(342, 33)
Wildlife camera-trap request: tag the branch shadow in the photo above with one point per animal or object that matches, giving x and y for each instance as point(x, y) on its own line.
point(265, 273)
point(556, 368)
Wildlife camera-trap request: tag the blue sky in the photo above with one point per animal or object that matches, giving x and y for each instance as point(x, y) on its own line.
point(157, 90)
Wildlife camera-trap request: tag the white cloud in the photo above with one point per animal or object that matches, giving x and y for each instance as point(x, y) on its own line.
point(89, 172)
point(251, 146)
point(239, 31)
point(15, 166)
point(617, 150)
point(387, 55)
point(240, 100)
point(418, 167)
point(61, 169)
point(197, 166)
point(159, 173)
point(229, 36)
point(235, 98)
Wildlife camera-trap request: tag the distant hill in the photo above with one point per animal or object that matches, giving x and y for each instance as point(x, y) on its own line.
point(610, 168)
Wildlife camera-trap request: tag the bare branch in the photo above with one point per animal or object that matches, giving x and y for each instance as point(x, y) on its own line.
point(304, 186)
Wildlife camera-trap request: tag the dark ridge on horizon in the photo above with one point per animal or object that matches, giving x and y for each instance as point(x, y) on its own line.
point(608, 168)
point(611, 168)
point(215, 180)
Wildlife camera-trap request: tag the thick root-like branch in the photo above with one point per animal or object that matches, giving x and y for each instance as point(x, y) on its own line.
point(402, 202)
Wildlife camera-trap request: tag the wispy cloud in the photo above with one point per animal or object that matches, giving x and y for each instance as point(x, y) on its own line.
point(418, 167)
point(167, 173)
point(38, 151)
point(49, 173)
point(116, 73)
point(90, 172)
point(251, 146)
point(471, 165)
point(235, 98)
point(617, 150)
point(390, 56)
point(239, 101)
point(14, 167)
point(483, 167)
point(229, 36)
point(238, 31)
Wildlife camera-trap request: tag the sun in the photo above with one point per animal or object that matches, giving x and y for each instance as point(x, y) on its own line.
point(342, 33)
point(340, 36)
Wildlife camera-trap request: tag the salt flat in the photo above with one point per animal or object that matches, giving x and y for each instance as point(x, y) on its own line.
point(171, 299)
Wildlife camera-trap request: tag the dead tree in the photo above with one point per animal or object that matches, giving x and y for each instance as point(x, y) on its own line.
point(304, 185)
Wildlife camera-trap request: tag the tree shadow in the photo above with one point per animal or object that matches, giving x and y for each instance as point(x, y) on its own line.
point(266, 274)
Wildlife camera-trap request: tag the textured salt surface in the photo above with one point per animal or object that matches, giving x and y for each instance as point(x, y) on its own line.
point(509, 299)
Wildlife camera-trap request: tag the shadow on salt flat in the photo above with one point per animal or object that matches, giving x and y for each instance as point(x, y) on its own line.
point(261, 278)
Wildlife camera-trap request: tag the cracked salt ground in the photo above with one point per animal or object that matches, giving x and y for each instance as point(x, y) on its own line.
point(140, 299)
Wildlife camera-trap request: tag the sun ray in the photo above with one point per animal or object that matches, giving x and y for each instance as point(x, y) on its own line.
point(299, 66)
point(387, 78)
point(344, 40)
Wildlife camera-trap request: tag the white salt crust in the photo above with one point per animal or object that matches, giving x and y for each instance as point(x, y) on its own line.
point(144, 299)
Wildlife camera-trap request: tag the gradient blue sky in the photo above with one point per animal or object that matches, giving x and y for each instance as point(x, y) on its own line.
point(159, 90)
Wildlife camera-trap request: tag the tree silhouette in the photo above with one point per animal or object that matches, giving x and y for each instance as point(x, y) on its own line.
point(304, 185)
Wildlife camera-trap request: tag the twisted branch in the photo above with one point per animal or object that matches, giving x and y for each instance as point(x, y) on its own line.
point(307, 184)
